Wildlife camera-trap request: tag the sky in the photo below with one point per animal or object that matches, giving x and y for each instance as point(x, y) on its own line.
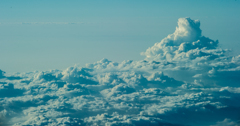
point(43, 35)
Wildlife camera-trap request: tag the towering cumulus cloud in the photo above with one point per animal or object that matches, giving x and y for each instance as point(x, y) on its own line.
point(185, 44)
point(185, 80)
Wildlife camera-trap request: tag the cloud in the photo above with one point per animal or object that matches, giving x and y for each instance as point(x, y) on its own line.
point(160, 80)
point(226, 122)
point(8, 77)
point(50, 23)
point(8, 90)
point(118, 90)
point(115, 119)
point(42, 23)
point(2, 74)
point(74, 75)
point(186, 48)
point(187, 36)
point(185, 80)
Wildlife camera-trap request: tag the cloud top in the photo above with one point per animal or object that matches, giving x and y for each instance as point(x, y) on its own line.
point(188, 30)
point(186, 37)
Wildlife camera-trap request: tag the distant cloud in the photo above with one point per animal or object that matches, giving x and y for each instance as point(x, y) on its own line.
point(226, 122)
point(43, 23)
point(2, 74)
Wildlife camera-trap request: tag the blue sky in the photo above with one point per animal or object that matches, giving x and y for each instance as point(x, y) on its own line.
point(43, 35)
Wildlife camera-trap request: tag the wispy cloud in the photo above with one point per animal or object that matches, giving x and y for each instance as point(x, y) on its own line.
point(42, 23)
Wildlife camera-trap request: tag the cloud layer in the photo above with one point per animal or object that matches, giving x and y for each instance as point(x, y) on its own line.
point(185, 80)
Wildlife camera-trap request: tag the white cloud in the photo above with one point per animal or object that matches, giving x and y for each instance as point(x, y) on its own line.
point(226, 122)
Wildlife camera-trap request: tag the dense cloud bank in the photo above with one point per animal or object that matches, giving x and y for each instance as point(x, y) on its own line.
point(185, 80)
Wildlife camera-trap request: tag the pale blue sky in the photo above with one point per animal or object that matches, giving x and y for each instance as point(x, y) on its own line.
point(43, 34)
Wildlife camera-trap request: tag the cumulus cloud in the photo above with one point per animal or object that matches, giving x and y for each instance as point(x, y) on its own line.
point(185, 42)
point(185, 80)
point(75, 75)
